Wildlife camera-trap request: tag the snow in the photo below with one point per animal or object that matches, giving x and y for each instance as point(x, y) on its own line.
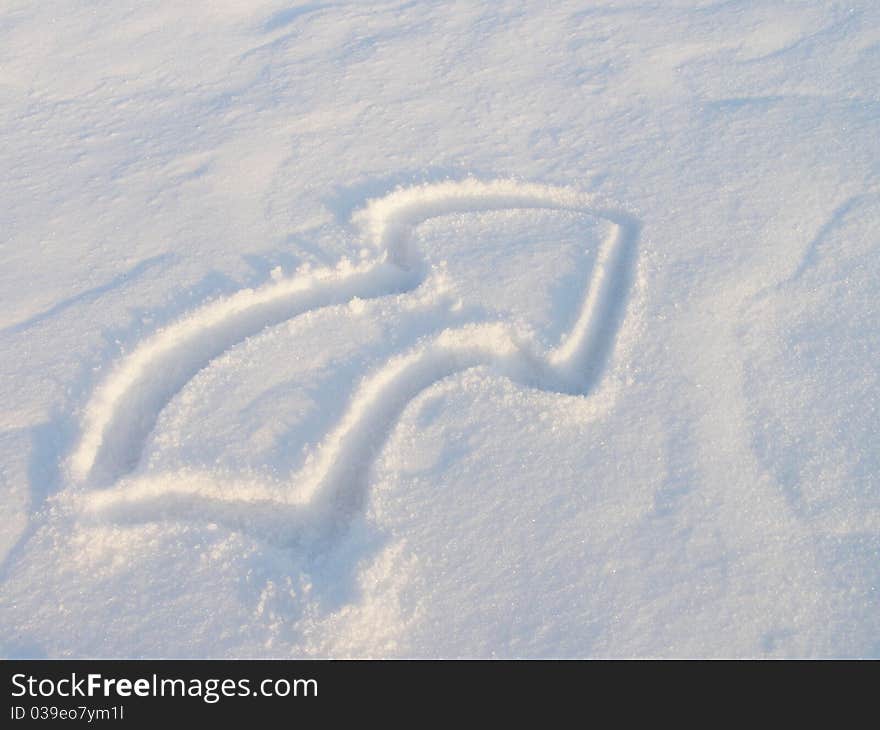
point(508, 329)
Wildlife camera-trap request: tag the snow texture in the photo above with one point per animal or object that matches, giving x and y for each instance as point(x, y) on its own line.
point(457, 329)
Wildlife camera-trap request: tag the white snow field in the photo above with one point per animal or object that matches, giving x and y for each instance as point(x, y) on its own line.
point(440, 329)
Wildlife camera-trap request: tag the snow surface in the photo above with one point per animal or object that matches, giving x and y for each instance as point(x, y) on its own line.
point(440, 328)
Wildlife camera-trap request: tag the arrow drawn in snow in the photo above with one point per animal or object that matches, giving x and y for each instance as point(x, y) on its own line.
point(331, 486)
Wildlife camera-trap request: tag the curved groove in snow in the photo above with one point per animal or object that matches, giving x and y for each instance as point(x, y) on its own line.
point(331, 485)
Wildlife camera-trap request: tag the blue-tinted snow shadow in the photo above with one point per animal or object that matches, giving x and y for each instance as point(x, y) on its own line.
point(49, 441)
point(22, 648)
point(283, 18)
point(90, 294)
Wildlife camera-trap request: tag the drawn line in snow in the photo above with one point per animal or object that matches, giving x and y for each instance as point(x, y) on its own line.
point(331, 485)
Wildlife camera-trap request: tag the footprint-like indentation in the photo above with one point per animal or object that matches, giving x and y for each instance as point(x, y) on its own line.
point(331, 485)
